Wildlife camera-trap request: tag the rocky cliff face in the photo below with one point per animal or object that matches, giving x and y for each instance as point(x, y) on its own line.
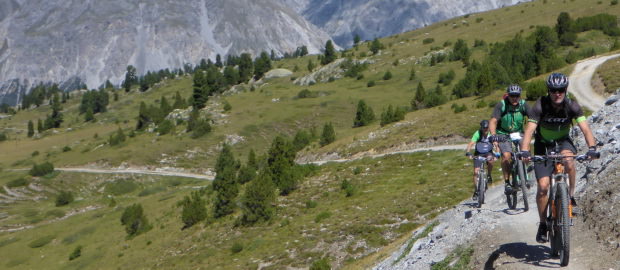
point(56, 40)
point(379, 18)
point(601, 190)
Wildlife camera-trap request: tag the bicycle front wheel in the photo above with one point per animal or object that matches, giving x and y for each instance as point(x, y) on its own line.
point(523, 179)
point(482, 181)
point(563, 223)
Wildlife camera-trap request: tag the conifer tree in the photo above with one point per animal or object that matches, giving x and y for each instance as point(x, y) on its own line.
point(179, 102)
point(364, 114)
point(218, 61)
point(356, 39)
point(281, 160)
point(39, 126)
point(261, 65)
point(258, 199)
point(194, 209)
point(246, 67)
point(252, 162)
point(130, 78)
point(164, 106)
point(30, 129)
point(224, 183)
point(311, 65)
point(376, 46)
point(330, 53)
point(143, 117)
point(89, 115)
point(199, 95)
point(231, 75)
point(328, 135)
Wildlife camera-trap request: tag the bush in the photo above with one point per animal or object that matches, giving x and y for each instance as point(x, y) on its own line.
point(321, 264)
point(458, 108)
point(64, 198)
point(41, 169)
point(66, 149)
point(387, 75)
point(201, 127)
point(121, 187)
point(236, 248)
point(370, 84)
point(364, 115)
point(35, 153)
point(428, 40)
point(311, 204)
point(134, 220)
point(328, 135)
point(348, 188)
point(481, 104)
point(42, 241)
point(77, 252)
point(117, 137)
point(305, 93)
point(534, 90)
point(321, 216)
point(19, 182)
point(227, 106)
point(165, 127)
point(194, 209)
point(3, 137)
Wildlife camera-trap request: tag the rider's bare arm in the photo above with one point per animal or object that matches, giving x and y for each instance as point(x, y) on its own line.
point(527, 135)
point(587, 133)
point(492, 125)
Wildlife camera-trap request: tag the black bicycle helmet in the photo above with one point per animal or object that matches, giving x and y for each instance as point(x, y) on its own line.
point(484, 124)
point(514, 90)
point(557, 81)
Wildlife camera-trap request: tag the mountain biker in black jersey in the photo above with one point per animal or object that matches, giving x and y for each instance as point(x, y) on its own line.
point(508, 117)
point(551, 118)
point(481, 139)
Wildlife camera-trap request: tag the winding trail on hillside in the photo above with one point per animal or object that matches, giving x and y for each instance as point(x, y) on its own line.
point(132, 171)
point(580, 82)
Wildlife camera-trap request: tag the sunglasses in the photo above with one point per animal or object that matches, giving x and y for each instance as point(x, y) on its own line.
point(514, 95)
point(560, 90)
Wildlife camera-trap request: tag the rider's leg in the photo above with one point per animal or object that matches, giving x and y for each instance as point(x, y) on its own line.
point(542, 197)
point(476, 169)
point(569, 164)
point(506, 159)
point(490, 167)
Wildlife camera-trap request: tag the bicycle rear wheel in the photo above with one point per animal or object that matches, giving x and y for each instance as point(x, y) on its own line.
point(511, 198)
point(523, 182)
point(563, 223)
point(482, 181)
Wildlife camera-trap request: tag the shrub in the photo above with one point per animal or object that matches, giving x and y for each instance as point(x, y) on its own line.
point(387, 75)
point(134, 220)
point(117, 137)
point(481, 104)
point(428, 40)
point(370, 84)
point(3, 137)
point(348, 188)
point(165, 127)
point(328, 135)
point(42, 241)
point(19, 182)
point(305, 93)
point(311, 204)
point(236, 248)
point(364, 115)
point(194, 209)
point(57, 213)
point(66, 149)
point(41, 169)
point(458, 108)
point(201, 127)
point(321, 216)
point(121, 187)
point(64, 198)
point(535, 89)
point(321, 264)
point(77, 252)
point(357, 170)
point(35, 153)
point(227, 106)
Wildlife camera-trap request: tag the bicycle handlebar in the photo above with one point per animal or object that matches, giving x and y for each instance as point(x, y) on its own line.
point(580, 158)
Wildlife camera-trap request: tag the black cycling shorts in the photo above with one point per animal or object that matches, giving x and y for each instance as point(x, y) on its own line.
point(545, 168)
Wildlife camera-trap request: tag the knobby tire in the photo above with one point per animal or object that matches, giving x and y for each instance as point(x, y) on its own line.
point(563, 222)
point(523, 179)
point(511, 198)
point(481, 185)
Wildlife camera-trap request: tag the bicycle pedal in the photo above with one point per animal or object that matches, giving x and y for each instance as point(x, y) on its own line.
point(571, 222)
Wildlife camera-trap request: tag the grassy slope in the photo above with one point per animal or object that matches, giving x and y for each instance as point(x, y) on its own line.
point(388, 194)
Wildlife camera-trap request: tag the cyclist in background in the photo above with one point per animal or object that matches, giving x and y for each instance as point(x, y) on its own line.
point(551, 118)
point(508, 117)
point(483, 146)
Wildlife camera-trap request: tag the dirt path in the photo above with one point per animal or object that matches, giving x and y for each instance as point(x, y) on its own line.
point(580, 85)
point(433, 148)
point(135, 171)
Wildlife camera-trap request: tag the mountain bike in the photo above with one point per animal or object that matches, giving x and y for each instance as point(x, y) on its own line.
point(518, 172)
point(482, 179)
point(559, 208)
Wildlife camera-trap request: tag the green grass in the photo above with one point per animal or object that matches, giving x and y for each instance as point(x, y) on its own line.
point(414, 187)
point(609, 72)
point(457, 260)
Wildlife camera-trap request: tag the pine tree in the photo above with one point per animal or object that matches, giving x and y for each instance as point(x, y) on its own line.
point(194, 209)
point(311, 65)
point(199, 95)
point(330, 53)
point(328, 135)
point(130, 78)
point(356, 39)
point(376, 46)
point(261, 65)
point(179, 102)
point(258, 200)
point(246, 67)
point(39, 126)
point(412, 74)
point(364, 114)
point(134, 220)
point(89, 115)
point(164, 106)
point(224, 183)
point(281, 160)
point(30, 129)
point(143, 117)
point(231, 75)
point(218, 61)
point(252, 162)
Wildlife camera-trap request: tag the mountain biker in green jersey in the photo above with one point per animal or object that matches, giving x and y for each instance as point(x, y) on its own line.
point(508, 117)
point(484, 146)
point(551, 118)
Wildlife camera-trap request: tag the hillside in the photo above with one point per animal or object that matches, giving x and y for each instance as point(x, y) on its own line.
point(348, 214)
